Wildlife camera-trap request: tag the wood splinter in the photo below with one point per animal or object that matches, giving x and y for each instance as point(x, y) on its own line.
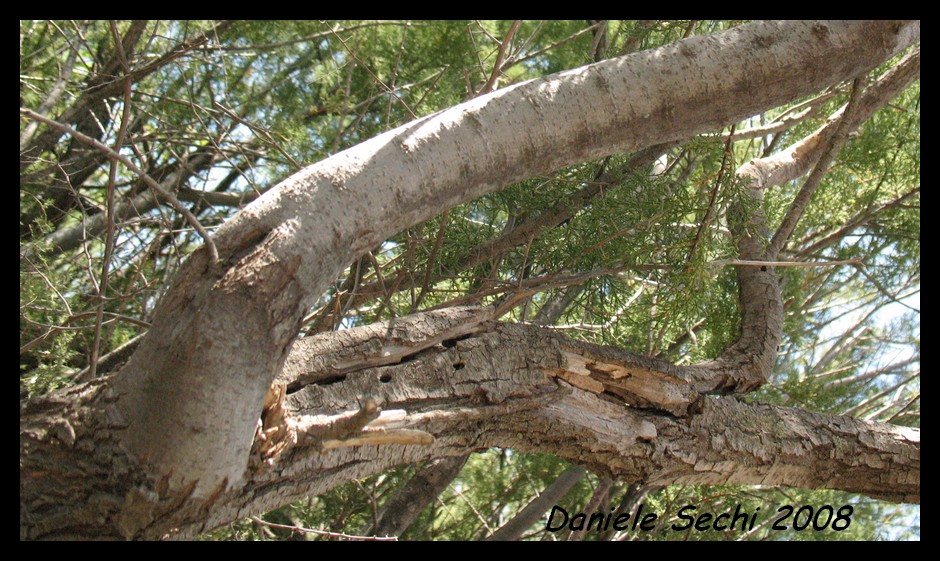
point(368, 425)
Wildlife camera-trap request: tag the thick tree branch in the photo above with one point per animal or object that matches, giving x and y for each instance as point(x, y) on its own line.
point(792, 163)
point(290, 244)
point(834, 143)
point(497, 387)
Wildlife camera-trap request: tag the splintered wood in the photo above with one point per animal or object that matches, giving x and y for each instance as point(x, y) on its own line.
point(636, 385)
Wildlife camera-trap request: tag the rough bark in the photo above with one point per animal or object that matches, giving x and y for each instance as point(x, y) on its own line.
point(494, 385)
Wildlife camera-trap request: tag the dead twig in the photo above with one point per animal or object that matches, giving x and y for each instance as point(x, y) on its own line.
point(169, 197)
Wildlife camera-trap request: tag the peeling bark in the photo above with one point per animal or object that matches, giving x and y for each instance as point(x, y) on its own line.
point(496, 387)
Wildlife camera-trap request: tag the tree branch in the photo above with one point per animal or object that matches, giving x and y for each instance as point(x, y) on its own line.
point(525, 518)
point(836, 140)
point(167, 196)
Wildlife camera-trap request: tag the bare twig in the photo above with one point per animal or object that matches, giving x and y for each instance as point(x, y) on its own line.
point(752, 263)
point(309, 38)
point(543, 50)
point(774, 127)
point(112, 178)
point(858, 220)
point(504, 45)
point(301, 529)
point(710, 211)
point(431, 259)
point(106, 87)
point(259, 130)
point(169, 197)
point(36, 270)
point(52, 98)
point(887, 294)
point(801, 201)
point(57, 328)
point(378, 80)
point(808, 104)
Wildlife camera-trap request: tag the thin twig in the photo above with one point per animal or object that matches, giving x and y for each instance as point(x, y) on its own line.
point(432, 258)
point(57, 328)
point(553, 45)
point(169, 197)
point(802, 199)
point(858, 220)
point(469, 503)
point(490, 84)
point(385, 87)
point(36, 270)
point(476, 53)
point(725, 262)
point(112, 178)
point(257, 520)
point(258, 130)
point(52, 98)
point(774, 127)
point(710, 211)
point(394, 78)
point(882, 289)
point(387, 302)
point(810, 104)
point(311, 39)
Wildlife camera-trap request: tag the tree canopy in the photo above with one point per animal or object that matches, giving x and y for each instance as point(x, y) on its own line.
point(664, 226)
